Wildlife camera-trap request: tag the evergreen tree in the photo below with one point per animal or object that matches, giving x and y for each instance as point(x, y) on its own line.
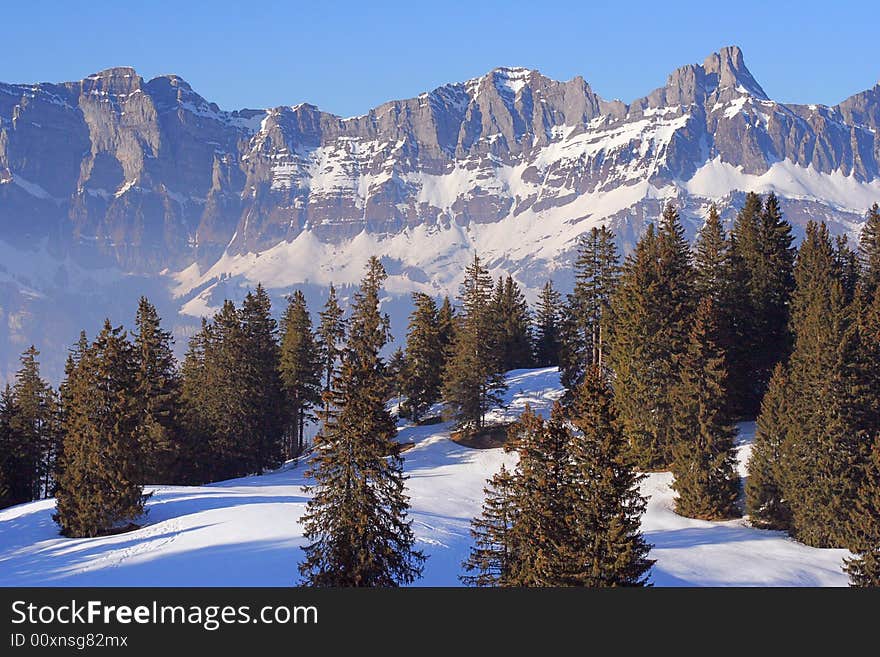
point(446, 330)
point(848, 270)
point(356, 522)
point(514, 325)
point(395, 376)
point(422, 372)
point(32, 430)
point(825, 442)
point(158, 394)
point(766, 503)
point(548, 319)
point(261, 386)
point(655, 298)
point(704, 454)
point(764, 256)
point(330, 338)
point(99, 484)
point(584, 328)
point(473, 379)
point(543, 492)
point(196, 462)
point(869, 251)
point(8, 463)
point(608, 506)
point(493, 555)
point(300, 369)
point(864, 568)
point(717, 277)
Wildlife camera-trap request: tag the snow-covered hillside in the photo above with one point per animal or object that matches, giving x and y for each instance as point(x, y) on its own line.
point(247, 531)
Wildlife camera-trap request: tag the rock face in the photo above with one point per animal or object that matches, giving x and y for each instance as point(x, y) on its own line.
point(114, 178)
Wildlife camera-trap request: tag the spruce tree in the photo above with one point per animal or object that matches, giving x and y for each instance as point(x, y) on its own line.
point(655, 298)
point(356, 522)
point(196, 461)
point(548, 319)
point(869, 251)
point(446, 330)
point(395, 374)
point(864, 567)
point(543, 490)
point(514, 325)
point(99, 485)
point(608, 506)
point(473, 379)
point(422, 372)
point(585, 325)
point(330, 337)
point(704, 455)
point(493, 556)
point(300, 369)
point(158, 394)
point(766, 503)
point(261, 386)
point(8, 463)
point(33, 432)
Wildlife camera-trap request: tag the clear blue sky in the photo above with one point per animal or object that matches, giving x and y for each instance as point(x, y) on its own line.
point(346, 57)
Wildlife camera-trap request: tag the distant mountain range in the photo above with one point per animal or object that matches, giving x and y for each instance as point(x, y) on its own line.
point(114, 186)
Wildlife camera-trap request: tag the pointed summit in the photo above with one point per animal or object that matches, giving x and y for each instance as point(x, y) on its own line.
point(731, 70)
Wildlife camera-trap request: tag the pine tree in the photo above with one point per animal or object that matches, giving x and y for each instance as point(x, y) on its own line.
point(356, 522)
point(32, 431)
point(494, 553)
point(869, 251)
point(99, 485)
point(446, 330)
point(330, 338)
point(824, 443)
point(196, 461)
point(704, 455)
point(158, 393)
point(422, 372)
point(864, 568)
point(261, 386)
point(395, 376)
point(585, 325)
point(300, 371)
point(716, 277)
point(766, 503)
point(655, 298)
point(543, 493)
point(514, 325)
point(764, 256)
point(8, 463)
point(473, 379)
point(848, 269)
point(548, 319)
point(608, 507)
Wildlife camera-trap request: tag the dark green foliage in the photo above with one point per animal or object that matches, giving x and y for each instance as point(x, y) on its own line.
point(446, 330)
point(869, 251)
point(473, 379)
point(260, 386)
point(8, 463)
point(158, 395)
point(611, 550)
point(395, 376)
point(356, 521)
point(493, 555)
point(766, 503)
point(514, 325)
point(421, 378)
point(99, 484)
point(32, 434)
point(300, 369)
point(764, 260)
point(846, 262)
point(330, 338)
point(651, 312)
point(585, 325)
point(548, 327)
point(544, 493)
point(864, 568)
point(704, 455)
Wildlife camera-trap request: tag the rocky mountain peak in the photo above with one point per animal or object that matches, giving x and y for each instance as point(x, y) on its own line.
point(728, 65)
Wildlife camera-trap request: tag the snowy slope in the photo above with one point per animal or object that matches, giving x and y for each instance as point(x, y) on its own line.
point(246, 531)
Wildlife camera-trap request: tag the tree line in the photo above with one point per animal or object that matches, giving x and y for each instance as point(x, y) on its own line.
point(659, 355)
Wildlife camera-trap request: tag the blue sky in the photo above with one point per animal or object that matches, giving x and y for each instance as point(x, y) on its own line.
point(347, 57)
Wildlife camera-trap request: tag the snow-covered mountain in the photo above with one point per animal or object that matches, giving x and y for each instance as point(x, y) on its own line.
point(190, 535)
point(114, 185)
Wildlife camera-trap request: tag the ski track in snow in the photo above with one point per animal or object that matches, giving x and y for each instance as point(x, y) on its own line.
point(247, 532)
